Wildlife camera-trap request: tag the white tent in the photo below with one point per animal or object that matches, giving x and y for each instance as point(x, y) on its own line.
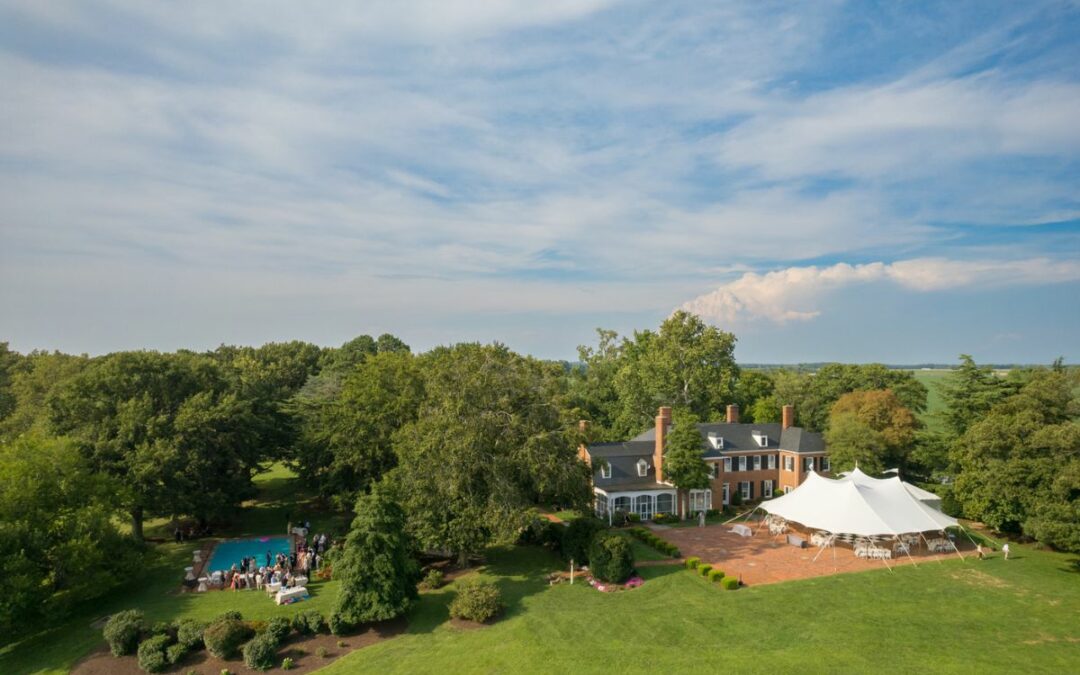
point(857, 504)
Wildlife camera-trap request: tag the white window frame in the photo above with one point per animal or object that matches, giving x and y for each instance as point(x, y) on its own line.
point(670, 508)
point(742, 462)
point(809, 464)
point(767, 490)
point(789, 463)
point(826, 465)
point(714, 469)
point(744, 490)
point(727, 465)
point(605, 470)
point(726, 494)
point(772, 461)
point(757, 462)
point(642, 468)
point(700, 500)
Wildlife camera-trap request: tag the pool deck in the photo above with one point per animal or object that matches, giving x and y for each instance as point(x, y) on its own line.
point(206, 550)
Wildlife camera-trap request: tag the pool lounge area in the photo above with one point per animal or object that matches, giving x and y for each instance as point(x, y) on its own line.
point(232, 551)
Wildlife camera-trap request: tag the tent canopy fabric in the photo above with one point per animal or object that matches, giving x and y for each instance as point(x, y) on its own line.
point(858, 504)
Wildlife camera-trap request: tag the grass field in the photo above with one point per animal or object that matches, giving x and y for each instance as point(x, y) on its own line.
point(931, 379)
point(955, 616)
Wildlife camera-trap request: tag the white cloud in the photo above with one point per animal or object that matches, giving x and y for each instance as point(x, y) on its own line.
point(791, 294)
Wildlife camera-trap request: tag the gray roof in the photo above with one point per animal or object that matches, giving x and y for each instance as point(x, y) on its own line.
point(796, 439)
point(623, 458)
point(739, 437)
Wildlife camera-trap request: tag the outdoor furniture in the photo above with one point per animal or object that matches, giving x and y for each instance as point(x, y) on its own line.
point(286, 595)
point(820, 539)
point(216, 579)
point(189, 573)
point(298, 581)
point(273, 587)
point(196, 557)
point(796, 541)
point(900, 548)
point(202, 584)
point(742, 530)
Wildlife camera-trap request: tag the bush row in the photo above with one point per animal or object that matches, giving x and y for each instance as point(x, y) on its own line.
point(646, 536)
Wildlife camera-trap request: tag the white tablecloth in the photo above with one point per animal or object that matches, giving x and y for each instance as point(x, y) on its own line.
point(273, 587)
point(742, 530)
point(298, 581)
point(287, 594)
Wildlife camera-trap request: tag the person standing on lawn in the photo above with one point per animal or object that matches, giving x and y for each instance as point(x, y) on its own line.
point(1005, 550)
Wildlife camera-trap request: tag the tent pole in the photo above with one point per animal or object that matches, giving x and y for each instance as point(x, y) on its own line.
point(927, 544)
point(906, 551)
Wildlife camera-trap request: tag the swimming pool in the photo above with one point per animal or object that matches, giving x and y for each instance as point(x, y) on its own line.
point(233, 551)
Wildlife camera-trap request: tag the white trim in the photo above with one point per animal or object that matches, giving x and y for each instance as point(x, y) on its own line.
point(767, 490)
point(742, 462)
point(642, 468)
point(772, 461)
point(727, 465)
point(605, 470)
point(757, 462)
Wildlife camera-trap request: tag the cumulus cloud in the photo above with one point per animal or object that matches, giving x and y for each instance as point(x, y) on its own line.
point(787, 295)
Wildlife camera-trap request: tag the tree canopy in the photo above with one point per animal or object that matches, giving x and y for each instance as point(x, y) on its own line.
point(684, 463)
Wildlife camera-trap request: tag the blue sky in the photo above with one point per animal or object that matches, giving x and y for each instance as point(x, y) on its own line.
point(895, 181)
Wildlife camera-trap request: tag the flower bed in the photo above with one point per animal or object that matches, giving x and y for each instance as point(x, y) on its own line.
point(605, 587)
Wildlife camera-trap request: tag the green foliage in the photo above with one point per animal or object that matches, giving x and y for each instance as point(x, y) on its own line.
point(122, 631)
point(376, 567)
point(692, 562)
point(309, 622)
point(813, 394)
point(176, 653)
point(224, 636)
point(577, 536)
point(338, 625)
point(232, 614)
point(646, 536)
point(287, 663)
point(260, 652)
point(279, 628)
point(729, 583)
point(684, 463)
point(345, 445)
point(477, 599)
point(871, 426)
point(189, 633)
point(152, 654)
point(611, 558)
point(433, 579)
point(322, 652)
point(490, 441)
point(852, 441)
point(32, 381)
point(715, 574)
point(703, 570)
point(969, 392)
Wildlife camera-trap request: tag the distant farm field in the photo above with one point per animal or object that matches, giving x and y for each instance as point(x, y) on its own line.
point(934, 403)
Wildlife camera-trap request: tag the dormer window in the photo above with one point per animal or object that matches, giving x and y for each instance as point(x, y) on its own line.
point(605, 470)
point(716, 440)
point(642, 468)
point(761, 439)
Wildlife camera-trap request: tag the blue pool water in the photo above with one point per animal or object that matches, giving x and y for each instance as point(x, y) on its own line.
point(231, 552)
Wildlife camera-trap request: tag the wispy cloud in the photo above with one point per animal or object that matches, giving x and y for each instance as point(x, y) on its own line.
point(791, 294)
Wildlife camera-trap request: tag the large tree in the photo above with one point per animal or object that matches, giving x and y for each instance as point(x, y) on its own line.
point(490, 441)
point(968, 393)
point(37, 377)
point(684, 458)
point(346, 440)
point(376, 567)
point(814, 393)
point(168, 427)
point(883, 413)
point(1016, 463)
point(58, 541)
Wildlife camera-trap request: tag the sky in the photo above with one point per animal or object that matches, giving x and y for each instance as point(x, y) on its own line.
point(851, 181)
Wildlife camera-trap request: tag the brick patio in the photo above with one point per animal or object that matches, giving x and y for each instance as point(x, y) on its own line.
point(765, 559)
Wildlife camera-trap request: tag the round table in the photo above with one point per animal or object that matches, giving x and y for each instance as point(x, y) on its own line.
point(189, 573)
point(202, 584)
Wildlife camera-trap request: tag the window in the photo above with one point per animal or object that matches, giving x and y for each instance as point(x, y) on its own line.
point(787, 489)
point(621, 504)
point(757, 462)
point(642, 468)
point(643, 506)
point(727, 497)
point(601, 505)
point(727, 465)
point(665, 503)
point(605, 470)
point(772, 461)
point(742, 463)
point(808, 464)
point(766, 489)
point(714, 469)
point(700, 500)
point(761, 439)
point(789, 463)
point(825, 465)
point(744, 487)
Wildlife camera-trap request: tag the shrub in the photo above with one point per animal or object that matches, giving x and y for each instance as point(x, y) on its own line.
point(189, 633)
point(224, 636)
point(259, 654)
point(122, 631)
point(279, 627)
point(308, 622)
point(176, 653)
point(161, 628)
point(703, 570)
point(611, 558)
point(712, 513)
point(433, 579)
point(341, 644)
point(152, 657)
point(716, 574)
point(729, 583)
point(476, 600)
point(692, 562)
point(287, 663)
point(337, 624)
point(576, 538)
point(322, 652)
point(232, 615)
point(633, 517)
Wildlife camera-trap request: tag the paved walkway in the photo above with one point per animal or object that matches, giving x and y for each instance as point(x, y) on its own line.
point(765, 559)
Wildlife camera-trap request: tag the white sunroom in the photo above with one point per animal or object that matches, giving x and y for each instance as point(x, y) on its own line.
point(645, 503)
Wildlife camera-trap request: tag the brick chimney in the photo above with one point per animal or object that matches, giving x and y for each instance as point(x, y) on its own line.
point(663, 421)
point(788, 417)
point(583, 427)
point(733, 414)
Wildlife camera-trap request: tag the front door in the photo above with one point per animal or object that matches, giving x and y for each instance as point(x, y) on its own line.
point(645, 507)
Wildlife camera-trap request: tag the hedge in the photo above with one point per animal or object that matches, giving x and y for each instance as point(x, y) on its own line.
point(279, 627)
point(122, 631)
point(477, 600)
point(611, 558)
point(308, 622)
point(260, 653)
point(692, 562)
point(716, 574)
point(729, 583)
point(152, 657)
point(224, 636)
point(703, 570)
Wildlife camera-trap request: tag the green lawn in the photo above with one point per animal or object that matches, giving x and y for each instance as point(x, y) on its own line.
point(934, 404)
point(991, 616)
